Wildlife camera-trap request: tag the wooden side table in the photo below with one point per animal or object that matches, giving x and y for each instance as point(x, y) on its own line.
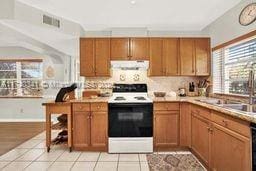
point(58, 108)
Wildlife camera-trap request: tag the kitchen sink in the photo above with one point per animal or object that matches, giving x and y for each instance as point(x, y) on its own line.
point(229, 104)
point(217, 101)
point(241, 107)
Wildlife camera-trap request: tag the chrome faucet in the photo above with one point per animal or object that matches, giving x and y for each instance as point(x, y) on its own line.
point(251, 85)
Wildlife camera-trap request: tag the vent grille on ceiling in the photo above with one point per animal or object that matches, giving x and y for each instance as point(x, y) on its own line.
point(51, 21)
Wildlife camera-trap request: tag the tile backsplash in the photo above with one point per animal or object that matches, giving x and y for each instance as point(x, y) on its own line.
point(167, 84)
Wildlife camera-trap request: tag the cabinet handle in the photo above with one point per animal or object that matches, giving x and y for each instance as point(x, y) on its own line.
point(225, 122)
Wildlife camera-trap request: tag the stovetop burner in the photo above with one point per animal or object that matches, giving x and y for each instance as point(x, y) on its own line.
point(119, 98)
point(140, 98)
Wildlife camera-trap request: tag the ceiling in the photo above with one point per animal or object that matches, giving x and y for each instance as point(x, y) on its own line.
point(185, 15)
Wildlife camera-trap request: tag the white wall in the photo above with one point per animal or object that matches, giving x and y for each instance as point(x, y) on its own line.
point(6, 9)
point(27, 109)
point(227, 27)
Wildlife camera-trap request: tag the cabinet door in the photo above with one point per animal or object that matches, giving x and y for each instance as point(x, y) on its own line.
point(87, 61)
point(185, 125)
point(202, 46)
point(119, 48)
point(230, 151)
point(187, 56)
point(171, 56)
point(99, 129)
point(139, 49)
point(200, 134)
point(166, 128)
point(156, 59)
point(81, 129)
point(102, 57)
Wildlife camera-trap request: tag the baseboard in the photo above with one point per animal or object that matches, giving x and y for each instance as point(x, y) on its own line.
point(22, 120)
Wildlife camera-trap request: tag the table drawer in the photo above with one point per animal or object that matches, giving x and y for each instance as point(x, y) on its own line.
point(166, 106)
point(81, 107)
point(239, 126)
point(204, 112)
point(95, 107)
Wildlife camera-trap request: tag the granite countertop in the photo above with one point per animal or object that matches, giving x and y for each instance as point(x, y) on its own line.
point(250, 117)
point(247, 116)
point(90, 100)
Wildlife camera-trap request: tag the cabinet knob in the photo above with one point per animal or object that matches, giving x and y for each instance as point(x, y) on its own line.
point(225, 122)
point(98, 107)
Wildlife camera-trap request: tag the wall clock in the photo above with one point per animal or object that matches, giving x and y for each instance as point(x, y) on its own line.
point(248, 15)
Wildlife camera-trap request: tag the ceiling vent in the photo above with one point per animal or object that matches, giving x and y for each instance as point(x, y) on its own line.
point(51, 21)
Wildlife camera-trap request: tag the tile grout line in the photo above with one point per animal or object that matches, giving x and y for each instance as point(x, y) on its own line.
point(97, 161)
point(55, 160)
point(17, 157)
point(139, 161)
point(75, 161)
point(118, 160)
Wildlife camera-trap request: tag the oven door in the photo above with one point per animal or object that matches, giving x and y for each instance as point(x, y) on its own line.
point(130, 120)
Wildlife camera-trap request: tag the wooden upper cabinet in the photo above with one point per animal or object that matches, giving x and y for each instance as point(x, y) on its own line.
point(99, 129)
point(187, 56)
point(138, 49)
point(95, 57)
point(102, 57)
point(171, 56)
point(87, 62)
point(203, 56)
point(156, 57)
point(119, 48)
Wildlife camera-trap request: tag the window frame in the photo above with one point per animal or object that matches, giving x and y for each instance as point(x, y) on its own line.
point(222, 48)
point(19, 77)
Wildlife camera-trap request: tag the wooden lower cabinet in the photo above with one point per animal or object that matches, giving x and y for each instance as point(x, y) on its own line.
point(90, 128)
point(81, 129)
point(166, 128)
point(99, 129)
point(200, 137)
point(185, 125)
point(230, 150)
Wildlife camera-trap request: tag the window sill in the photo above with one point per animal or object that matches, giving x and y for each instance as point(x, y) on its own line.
point(21, 97)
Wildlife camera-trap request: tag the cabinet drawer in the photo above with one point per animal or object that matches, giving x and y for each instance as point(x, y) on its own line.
point(81, 107)
point(166, 106)
point(95, 107)
point(204, 112)
point(239, 126)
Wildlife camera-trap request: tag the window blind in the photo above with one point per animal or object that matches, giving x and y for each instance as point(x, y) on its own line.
point(230, 69)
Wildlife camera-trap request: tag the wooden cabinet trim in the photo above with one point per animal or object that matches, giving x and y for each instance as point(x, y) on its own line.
point(239, 126)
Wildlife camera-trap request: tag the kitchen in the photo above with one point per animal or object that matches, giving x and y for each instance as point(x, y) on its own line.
point(127, 96)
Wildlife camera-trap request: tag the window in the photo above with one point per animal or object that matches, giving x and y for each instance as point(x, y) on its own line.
point(231, 69)
point(21, 78)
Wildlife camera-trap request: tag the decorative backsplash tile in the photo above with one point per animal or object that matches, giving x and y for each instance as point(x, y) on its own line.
point(167, 84)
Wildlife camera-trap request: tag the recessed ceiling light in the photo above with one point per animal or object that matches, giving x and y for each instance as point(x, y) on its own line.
point(133, 2)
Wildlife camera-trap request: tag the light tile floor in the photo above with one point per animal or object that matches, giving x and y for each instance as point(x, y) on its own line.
point(32, 155)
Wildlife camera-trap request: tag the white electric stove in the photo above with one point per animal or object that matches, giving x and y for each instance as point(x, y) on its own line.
point(130, 119)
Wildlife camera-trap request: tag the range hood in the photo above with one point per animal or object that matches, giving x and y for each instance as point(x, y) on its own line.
point(130, 65)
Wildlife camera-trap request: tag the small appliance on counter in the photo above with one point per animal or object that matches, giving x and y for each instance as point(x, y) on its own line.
point(182, 92)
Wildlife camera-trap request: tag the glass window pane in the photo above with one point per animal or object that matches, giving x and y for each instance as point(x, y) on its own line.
point(31, 69)
point(5, 65)
point(8, 74)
